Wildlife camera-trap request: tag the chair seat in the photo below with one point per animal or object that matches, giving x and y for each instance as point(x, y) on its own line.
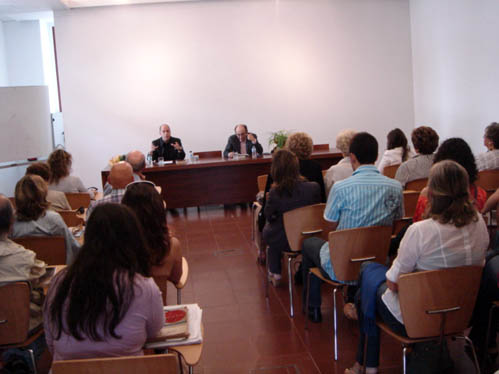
point(404, 339)
point(318, 274)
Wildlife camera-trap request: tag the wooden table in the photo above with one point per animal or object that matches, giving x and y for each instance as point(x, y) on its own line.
point(216, 180)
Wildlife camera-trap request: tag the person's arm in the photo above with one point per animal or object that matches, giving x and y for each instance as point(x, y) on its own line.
point(81, 188)
point(155, 150)
point(253, 139)
point(72, 245)
point(229, 149)
point(491, 202)
point(334, 205)
point(176, 254)
point(153, 308)
point(180, 150)
point(402, 174)
point(271, 209)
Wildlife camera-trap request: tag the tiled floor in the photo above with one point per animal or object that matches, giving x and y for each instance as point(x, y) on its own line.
point(245, 332)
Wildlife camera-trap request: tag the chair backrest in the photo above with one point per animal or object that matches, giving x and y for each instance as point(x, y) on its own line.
point(416, 185)
point(78, 200)
point(389, 171)
point(399, 224)
point(151, 364)
point(305, 222)
point(350, 248)
point(14, 312)
point(209, 154)
point(71, 218)
point(51, 249)
point(261, 180)
point(488, 180)
point(426, 296)
point(410, 202)
point(321, 147)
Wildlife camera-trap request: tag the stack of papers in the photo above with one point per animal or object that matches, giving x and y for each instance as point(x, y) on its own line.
point(194, 317)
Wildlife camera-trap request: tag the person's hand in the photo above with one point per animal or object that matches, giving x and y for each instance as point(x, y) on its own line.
point(153, 147)
point(251, 138)
point(231, 154)
point(177, 146)
point(392, 285)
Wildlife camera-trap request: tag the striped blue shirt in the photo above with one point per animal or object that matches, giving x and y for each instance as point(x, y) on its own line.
point(367, 198)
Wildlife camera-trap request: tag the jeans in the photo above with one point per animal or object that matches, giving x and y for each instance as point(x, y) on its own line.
point(311, 258)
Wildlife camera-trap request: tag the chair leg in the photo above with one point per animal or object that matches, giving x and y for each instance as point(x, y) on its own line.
point(335, 329)
point(307, 299)
point(290, 286)
point(33, 361)
point(404, 359)
point(475, 359)
point(179, 296)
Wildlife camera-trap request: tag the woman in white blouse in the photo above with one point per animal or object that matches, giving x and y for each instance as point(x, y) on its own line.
point(453, 235)
point(397, 150)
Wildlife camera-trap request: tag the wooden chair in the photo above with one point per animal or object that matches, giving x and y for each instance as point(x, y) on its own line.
point(14, 318)
point(299, 224)
point(71, 218)
point(399, 224)
point(78, 200)
point(389, 171)
point(321, 147)
point(161, 282)
point(410, 202)
point(348, 250)
point(436, 304)
point(51, 249)
point(261, 180)
point(209, 154)
point(152, 364)
point(416, 185)
point(488, 180)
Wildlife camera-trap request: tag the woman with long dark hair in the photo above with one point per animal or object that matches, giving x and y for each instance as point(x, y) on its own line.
point(104, 304)
point(397, 150)
point(147, 204)
point(289, 191)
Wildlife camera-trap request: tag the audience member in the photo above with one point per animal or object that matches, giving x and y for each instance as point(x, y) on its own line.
point(289, 191)
point(166, 256)
point(60, 163)
point(490, 159)
point(127, 309)
point(137, 161)
point(242, 142)
point(19, 264)
point(57, 199)
point(34, 219)
point(167, 146)
point(367, 198)
point(458, 150)
point(343, 169)
point(120, 175)
point(397, 150)
point(454, 235)
point(425, 142)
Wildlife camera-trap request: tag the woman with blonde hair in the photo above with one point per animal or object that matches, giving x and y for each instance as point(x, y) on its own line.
point(454, 235)
point(60, 163)
point(289, 191)
point(33, 218)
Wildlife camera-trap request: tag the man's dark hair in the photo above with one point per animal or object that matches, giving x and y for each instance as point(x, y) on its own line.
point(365, 147)
point(492, 132)
point(6, 215)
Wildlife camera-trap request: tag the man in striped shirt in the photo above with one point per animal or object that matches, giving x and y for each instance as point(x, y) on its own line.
point(367, 198)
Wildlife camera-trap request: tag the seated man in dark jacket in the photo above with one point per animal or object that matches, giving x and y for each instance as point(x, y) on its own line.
point(168, 147)
point(242, 142)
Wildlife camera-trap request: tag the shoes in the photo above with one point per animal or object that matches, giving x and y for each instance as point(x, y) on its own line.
point(275, 279)
point(357, 369)
point(314, 314)
point(350, 311)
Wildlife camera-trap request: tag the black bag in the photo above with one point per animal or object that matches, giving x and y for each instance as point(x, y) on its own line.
point(261, 220)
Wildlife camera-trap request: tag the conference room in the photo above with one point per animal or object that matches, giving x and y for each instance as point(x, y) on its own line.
point(115, 71)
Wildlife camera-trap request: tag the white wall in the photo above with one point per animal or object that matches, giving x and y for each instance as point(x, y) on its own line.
point(311, 65)
point(4, 78)
point(456, 66)
point(23, 53)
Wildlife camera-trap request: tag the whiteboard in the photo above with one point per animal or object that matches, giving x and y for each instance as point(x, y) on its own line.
point(25, 123)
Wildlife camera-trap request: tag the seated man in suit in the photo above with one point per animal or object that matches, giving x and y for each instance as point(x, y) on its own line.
point(367, 198)
point(167, 146)
point(242, 142)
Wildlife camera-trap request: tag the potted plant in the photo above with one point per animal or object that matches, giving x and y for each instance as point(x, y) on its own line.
point(277, 139)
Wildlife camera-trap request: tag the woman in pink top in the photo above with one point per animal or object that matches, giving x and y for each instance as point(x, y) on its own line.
point(104, 304)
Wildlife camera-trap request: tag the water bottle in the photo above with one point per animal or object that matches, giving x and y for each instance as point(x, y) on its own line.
point(149, 160)
point(253, 152)
point(191, 157)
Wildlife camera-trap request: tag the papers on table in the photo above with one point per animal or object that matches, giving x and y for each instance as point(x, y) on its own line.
point(194, 318)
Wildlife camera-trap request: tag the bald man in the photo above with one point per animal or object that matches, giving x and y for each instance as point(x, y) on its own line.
point(167, 146)
point(242, 142)
point(137, 161)
point(120, 175)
